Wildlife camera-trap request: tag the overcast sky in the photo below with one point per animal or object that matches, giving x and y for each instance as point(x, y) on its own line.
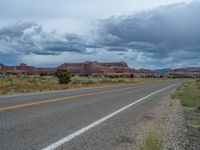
point(143, 33)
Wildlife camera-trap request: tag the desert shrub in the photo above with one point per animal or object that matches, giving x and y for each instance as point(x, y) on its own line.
point(132, 76)
point(76, 80)
point(121, 80)
point(198, 80)
point(88, 82)
point(63, 76)
point(43, 74)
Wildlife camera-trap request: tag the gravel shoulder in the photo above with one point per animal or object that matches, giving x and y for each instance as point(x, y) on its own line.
point(166, 118)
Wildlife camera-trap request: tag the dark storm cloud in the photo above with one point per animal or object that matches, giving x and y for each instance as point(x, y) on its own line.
point(26, 38)
point(166, 32)
point(168, 35)
point(15, 31)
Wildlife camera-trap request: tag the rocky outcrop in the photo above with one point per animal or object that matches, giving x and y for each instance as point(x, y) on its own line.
point(184, 72)
point(25, 69)
point(102, 69)
point(97, 68)
point(86, 68)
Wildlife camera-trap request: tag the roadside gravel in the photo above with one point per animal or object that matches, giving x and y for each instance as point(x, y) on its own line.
point(167, 116)
point(176, 137)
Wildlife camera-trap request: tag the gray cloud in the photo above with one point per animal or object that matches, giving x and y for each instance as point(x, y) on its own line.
point(27, 38)
point(168, 35)
point(166, 32)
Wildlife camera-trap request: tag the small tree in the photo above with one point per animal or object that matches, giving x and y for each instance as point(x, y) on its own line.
point(63, 76)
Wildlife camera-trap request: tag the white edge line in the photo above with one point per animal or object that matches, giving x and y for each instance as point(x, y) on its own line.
point(92, 125)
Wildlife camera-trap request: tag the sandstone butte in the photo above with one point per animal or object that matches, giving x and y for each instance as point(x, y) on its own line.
point(100, 69)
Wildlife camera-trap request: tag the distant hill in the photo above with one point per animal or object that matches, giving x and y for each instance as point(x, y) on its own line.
point(95, 68)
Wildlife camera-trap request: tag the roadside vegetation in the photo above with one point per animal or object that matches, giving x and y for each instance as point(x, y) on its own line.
point(189, 95)
point(10, 84)
point(154, 139)
point(64, 77)
point(159, 136)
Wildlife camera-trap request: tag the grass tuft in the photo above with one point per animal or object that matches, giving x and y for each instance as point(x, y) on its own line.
point(154, 139)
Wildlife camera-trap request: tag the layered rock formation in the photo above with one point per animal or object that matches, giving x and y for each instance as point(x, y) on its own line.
point(102, 69)
point(86, 68)
point(97, 68)
point(185, 72)
point(25, 69)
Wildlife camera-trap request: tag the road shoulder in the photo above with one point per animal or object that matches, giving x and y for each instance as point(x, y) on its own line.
point(161, 127)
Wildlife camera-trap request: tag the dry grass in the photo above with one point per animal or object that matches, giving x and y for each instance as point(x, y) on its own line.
point(154, 139)
point(11, 84)
point(189, 95)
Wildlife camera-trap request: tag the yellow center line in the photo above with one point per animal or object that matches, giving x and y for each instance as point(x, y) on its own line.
point(60, 99)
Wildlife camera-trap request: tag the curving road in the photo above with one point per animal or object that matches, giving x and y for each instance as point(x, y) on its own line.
point(86, 118)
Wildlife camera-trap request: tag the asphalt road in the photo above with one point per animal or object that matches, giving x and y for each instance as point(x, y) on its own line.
point(86, 118)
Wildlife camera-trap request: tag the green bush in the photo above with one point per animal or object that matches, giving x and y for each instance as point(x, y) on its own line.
point(63, 76)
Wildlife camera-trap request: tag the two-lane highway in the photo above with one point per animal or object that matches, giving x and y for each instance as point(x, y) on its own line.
point(63, 119)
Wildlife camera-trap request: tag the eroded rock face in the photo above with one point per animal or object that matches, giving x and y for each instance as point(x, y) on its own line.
point(24, 68)
point(102, 69)
point(185, 72)
point(86, 68)
point(97, 68)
